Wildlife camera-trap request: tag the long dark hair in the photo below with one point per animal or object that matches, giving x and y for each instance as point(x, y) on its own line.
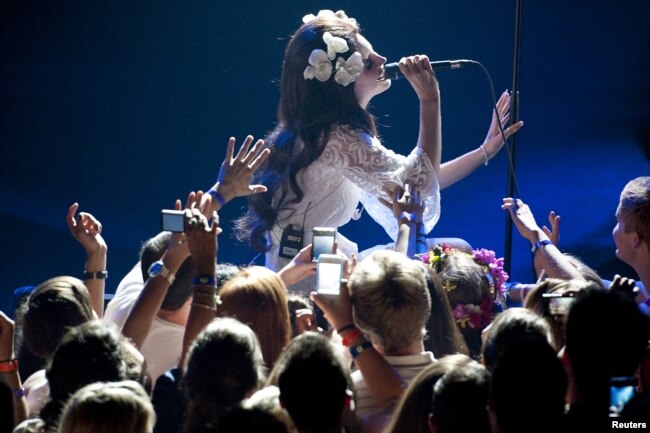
point(306, 113)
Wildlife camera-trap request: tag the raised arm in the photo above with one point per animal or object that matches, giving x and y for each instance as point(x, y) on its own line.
point(203, 245)
point(148, 304)
point(408, 207)
point(550, 257)
point(456, 169)
point(417, 70)
point(87, 230)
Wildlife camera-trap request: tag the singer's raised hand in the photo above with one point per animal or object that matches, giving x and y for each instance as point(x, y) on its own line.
point(494, 141)
point(417, 70)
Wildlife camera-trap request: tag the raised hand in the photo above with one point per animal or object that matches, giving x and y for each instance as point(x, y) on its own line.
point(202, 239)
point(299, 268)
point(86, 229)
point(522, 217)
point(405, 200)
point(236, 173)
point(494, 141)
point(554, 232)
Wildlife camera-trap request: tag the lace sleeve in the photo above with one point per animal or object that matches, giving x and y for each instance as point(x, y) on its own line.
point(363, 160)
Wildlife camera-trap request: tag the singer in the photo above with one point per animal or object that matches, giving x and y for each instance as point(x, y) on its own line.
point(326, 157)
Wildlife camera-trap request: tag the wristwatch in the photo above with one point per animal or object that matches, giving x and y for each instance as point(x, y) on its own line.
point(158, 269)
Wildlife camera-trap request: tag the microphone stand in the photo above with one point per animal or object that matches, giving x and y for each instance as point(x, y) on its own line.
point(511, 144)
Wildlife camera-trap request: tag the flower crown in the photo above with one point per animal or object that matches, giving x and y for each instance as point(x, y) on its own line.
point(474, 316)
point(322, 63)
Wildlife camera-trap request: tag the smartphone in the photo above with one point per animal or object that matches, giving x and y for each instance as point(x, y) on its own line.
point(322, 241)
point(559, 305)
point(621, 391)
point(172, 220)
point(330, 272)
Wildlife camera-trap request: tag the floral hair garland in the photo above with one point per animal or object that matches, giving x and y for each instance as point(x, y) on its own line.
point(321, 62)
point(474, 316)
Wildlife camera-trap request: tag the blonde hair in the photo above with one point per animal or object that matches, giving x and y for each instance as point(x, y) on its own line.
point(390, 299)
point(109, 407)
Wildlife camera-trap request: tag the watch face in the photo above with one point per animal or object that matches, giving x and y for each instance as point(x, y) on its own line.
point(155, 269)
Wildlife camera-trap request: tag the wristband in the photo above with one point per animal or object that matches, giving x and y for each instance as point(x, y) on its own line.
point(351, 336)
point(9, 366)
point(409, 217)
point(205, 280)
point(99, 275)
point(19, 393)
point(217, 196)
point(356, 350)
point(537, 245)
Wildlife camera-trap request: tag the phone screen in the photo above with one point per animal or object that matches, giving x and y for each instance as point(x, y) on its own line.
point(560, 306)
point(329, 277)
point(323, 242)
point(618, 398)
point(172, 220)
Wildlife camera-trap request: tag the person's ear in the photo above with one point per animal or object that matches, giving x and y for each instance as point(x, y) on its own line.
point(431, 423)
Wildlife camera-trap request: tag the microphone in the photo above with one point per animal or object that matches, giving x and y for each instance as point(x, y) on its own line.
point(392, 72)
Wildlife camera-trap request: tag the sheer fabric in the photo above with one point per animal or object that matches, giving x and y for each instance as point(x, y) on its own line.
point(353, 168)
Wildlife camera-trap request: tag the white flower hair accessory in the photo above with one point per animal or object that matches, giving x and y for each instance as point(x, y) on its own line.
point(320, 66)
point(322, 63)
point(348, 70)
point(334, 45)
point(326, 13)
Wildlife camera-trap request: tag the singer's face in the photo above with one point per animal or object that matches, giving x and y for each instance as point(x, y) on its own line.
point(371, 81)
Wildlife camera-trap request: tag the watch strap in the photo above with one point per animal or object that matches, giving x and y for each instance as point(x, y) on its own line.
point(97, 275)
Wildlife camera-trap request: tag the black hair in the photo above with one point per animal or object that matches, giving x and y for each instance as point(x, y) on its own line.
point(181, 289)
point(310, 359)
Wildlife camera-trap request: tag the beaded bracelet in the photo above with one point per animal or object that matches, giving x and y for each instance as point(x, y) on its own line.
point(356, 350)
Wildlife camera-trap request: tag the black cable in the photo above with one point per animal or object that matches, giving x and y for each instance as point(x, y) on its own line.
point(503, 134)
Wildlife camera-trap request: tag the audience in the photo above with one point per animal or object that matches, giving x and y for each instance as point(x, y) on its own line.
point(474, 284)
point(606, 337)
point(460, 398)
point(224, 366)
point(400, 320)
point(412, 411)
point(391, 305)
point(88, 353)
point(108, 407)
point(315, 385)
point(257, 297)
point(632, 233)
point(163, 343)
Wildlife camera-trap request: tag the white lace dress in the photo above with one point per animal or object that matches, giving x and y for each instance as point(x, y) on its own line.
point(353, 168)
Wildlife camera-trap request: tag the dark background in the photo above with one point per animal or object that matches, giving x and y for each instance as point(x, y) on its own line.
point(125, 106)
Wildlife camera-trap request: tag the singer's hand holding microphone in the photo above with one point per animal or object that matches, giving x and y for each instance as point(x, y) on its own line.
point(417, 70)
